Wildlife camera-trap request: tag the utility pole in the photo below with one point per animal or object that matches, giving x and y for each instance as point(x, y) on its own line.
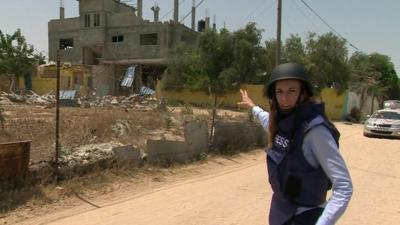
point(57, 152)
point(278, 34)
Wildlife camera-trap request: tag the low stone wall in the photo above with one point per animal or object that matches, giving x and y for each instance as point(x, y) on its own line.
point(233, 136)
point(170, 149)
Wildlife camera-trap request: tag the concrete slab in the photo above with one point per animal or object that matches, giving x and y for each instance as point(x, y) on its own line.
point(196, 136)
point(238, 135)
point(165, 151)
point(128, 155)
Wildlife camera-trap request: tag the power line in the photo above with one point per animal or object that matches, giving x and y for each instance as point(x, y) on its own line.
point(266, 9)
point(183, 19)
point(330, 27)
point(166, 14)
point(305, 15)
point(263, 2)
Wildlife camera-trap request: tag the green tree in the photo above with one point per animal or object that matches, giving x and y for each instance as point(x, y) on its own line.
point(388, 78)
point(294, 50)
point(327, 55)
point(376, 90)
point(270, 59)
point(186, 71)
point(221, 63)
point(216, 51)
point(248, 54)
point(363, 75)
point(17, 57)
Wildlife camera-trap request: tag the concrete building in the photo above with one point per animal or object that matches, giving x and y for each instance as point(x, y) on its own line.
point(110, 36)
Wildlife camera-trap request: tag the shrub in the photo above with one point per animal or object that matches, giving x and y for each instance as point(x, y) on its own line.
point(356, 114)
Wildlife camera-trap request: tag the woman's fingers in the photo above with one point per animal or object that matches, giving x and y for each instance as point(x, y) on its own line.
point(243, 93)
point(246, 101)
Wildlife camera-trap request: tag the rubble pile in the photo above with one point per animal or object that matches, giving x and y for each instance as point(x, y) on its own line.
point(142, 102)
point(35, 99)
point(88, 154)
point(136, 101)
point(87, 158)
point(4, 100)
point(30, 98)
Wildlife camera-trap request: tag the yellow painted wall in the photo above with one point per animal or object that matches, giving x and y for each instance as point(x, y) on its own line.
point(43, 85)
point(334, 103)
point(201, 98)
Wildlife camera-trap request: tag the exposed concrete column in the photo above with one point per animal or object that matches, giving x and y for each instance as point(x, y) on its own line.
point(62, 13)
point(140, 9)
point(207, 19)
point(156, 11)
point(215, 23)
point(176, 11)
point(62, 10)
point(194, 16)
point(207, 23)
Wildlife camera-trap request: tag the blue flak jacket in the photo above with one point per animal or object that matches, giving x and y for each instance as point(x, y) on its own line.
point(291, 177)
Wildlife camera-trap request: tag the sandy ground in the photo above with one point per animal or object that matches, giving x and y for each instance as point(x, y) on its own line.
point(235, 191)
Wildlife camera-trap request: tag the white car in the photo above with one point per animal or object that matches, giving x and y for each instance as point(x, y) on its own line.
point(384, 123)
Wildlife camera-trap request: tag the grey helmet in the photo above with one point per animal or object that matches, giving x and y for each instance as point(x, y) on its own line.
point(288, 71)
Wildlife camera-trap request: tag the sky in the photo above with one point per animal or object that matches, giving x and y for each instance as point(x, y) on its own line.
point(370, 25)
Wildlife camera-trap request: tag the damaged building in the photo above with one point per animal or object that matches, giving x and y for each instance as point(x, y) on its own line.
point(123, 51)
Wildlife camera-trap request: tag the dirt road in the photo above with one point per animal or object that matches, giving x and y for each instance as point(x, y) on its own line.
point(239, 194)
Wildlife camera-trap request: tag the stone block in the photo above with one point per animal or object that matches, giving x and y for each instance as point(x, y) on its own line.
point(128, 155)
point(196, 136)
point(165, 151)
point(238, 135)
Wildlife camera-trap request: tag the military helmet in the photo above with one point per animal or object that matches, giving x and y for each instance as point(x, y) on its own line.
point(288, 71)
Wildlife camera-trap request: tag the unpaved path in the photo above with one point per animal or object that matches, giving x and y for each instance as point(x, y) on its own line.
point(239, 194)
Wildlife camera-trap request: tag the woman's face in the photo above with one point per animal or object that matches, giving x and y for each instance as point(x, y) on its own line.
point(287, 93)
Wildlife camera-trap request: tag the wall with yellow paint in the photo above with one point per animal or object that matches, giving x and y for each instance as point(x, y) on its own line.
point(72, 78)
point(334, 102)
point(202, 98)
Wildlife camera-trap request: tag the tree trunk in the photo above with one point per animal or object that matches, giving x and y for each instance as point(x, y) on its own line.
point(372, 104)
point(362, 97)
point(11, 89)
point(213, 123)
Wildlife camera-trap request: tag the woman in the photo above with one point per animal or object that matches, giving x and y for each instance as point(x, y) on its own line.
point(303, 157)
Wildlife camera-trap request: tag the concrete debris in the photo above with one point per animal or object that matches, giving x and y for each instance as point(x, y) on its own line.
point(121, 128)
point(145, 103)
point(5, 101)
point(132, 101)
point(30, 98)
point(89, 154)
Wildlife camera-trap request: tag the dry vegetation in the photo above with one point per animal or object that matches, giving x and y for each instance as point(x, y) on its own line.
point(80, 126)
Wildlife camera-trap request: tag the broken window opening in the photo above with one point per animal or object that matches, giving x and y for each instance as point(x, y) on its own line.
point(149, 39)
point(87, 20)
point(67, 43)
point(96, 20)
point(78, 78)
point(119, 38)
point(90, 82)
point(69, 82)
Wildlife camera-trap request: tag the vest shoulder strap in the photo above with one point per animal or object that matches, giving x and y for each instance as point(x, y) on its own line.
point(318, 121)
